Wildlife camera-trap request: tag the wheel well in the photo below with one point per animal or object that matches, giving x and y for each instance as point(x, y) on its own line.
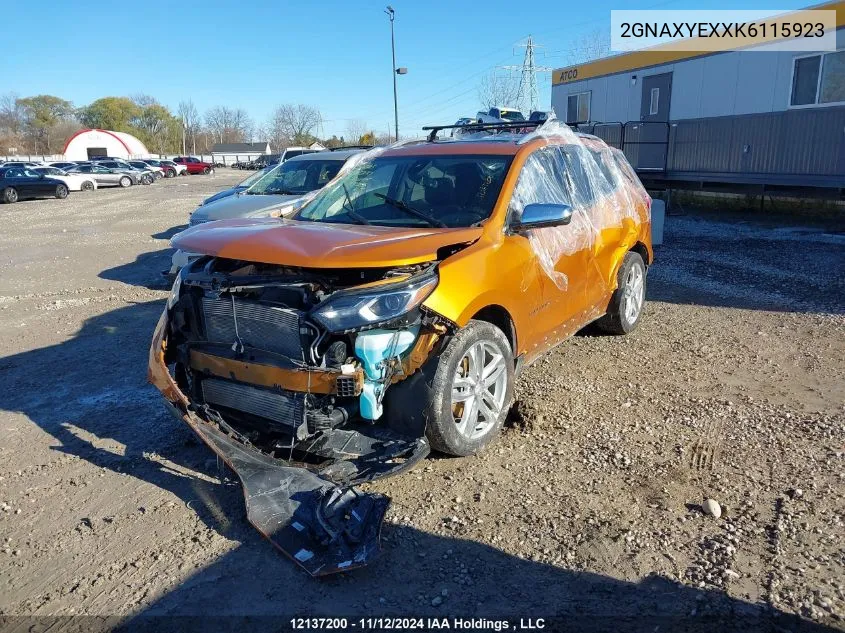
point(499, 317)
point(642, 251)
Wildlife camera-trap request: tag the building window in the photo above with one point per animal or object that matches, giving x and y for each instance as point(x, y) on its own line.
point(654, 104)
point(578, 108)
point(818, 79)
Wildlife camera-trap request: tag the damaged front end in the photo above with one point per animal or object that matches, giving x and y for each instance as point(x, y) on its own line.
point(283, 372)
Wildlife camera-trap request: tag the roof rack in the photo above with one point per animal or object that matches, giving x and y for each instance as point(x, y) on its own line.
point(504, 125)
point(342, 147)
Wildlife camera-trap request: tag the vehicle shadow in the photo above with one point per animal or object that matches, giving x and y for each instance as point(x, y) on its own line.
point(144, 271)
point(100, 395)
point(419, 574)
point(169, 233)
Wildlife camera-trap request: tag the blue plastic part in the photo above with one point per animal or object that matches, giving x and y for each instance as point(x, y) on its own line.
point(372, 348)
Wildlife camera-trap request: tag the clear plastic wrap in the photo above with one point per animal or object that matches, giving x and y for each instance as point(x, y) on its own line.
point(606, 197)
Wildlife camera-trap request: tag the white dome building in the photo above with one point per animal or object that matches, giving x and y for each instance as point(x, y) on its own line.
point(87, 144)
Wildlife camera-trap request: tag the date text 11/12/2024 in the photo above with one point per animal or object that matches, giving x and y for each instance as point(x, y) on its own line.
point(415, 624)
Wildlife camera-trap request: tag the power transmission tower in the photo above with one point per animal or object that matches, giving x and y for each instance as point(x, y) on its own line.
point(528, 95)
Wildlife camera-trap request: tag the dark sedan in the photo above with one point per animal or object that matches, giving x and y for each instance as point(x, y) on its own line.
point(19, 183)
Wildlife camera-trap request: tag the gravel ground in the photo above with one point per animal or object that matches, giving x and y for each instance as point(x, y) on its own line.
point(590, 505)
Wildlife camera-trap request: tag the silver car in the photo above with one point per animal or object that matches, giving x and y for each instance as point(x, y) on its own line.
point(107, 177)
point(145, 176)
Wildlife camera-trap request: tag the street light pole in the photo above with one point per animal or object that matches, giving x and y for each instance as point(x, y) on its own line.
point(396, 71)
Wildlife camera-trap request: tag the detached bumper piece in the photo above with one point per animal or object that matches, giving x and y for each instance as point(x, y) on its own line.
point(324, 528)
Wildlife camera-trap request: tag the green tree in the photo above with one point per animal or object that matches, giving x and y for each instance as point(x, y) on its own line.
point(156, 127)
point(42, 113)
point(110, 113)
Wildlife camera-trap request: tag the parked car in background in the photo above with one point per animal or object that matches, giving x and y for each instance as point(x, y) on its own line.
point(500, 113)
point(143, 165)
point(265, 160)
point(145, 176)
point(107, 177)
point(22, 163)
point(275, 194)
point(194, 165)
point(20, 183)
point(63, 164)
point(74, 182)
point(173, 169)
point(154, 163)
point(277, 191)
point(243, 184)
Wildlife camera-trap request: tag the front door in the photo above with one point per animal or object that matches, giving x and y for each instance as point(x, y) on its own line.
point(561, 254)
point(651, 136)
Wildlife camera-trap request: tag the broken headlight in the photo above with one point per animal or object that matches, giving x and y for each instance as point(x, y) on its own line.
point(352, 310)
point(174, 292)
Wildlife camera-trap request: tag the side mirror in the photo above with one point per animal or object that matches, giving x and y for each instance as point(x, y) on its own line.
point(541, 216)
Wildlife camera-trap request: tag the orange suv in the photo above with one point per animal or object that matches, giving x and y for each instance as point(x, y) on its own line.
point(390, 315)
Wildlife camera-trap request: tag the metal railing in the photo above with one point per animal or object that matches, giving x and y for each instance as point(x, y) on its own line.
point(632, 137)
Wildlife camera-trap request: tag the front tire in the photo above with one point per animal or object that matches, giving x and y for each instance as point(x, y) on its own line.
point(61, 192)
point(628, 300)
point(206, 171)
point(10, 195)
point(125, 181)
point(471, 390)
point(171, 173)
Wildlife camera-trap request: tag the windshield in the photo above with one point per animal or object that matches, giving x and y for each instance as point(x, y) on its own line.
point(254, 178)
point(296, 177)
point(512, 115)
point(409, 191)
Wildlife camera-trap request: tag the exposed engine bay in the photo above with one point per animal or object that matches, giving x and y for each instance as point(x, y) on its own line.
point(291, 371)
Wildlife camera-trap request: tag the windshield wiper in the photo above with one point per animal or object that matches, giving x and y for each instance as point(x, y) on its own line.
point(280, 192)
point(350, 208)
point(432, 221)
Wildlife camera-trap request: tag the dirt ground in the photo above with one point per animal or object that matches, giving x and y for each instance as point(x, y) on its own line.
point(587, 508)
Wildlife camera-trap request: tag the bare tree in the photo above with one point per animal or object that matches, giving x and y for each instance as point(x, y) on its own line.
point(355, 129)
point(12, 121)
point(187, 111)
point(297, 122)
point(592, 45)
point(228, 125)
point(497, 90)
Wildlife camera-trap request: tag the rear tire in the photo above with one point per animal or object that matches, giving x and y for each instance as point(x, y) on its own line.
point(87, 186)
point(171, 173)
point(10, 195)
point(471, 390)
point(61, 192)
point(628, 300)
point(125, 181)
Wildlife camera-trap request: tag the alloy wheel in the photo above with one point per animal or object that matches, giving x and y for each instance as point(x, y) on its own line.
point(479, 389)
point(633, 293)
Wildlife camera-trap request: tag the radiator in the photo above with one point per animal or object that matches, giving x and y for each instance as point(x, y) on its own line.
point(260, 325)
point(288, 410)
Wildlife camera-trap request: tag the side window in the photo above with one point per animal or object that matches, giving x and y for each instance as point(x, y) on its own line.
point(581, 189)
point(541, 180)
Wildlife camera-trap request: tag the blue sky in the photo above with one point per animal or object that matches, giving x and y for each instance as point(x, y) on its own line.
point(257, 54)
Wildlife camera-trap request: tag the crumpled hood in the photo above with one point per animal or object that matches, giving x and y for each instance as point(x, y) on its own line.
point(320, 244)
point(239, 205)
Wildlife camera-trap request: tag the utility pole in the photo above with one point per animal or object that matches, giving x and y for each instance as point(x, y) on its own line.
point(184, 151)
point(391, 14)
point(528, 95)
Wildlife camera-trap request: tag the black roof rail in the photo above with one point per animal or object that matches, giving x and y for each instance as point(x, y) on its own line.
point(504, 125)
point(342, 147)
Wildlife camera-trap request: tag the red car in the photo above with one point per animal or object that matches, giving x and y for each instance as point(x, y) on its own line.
point(194, 165)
